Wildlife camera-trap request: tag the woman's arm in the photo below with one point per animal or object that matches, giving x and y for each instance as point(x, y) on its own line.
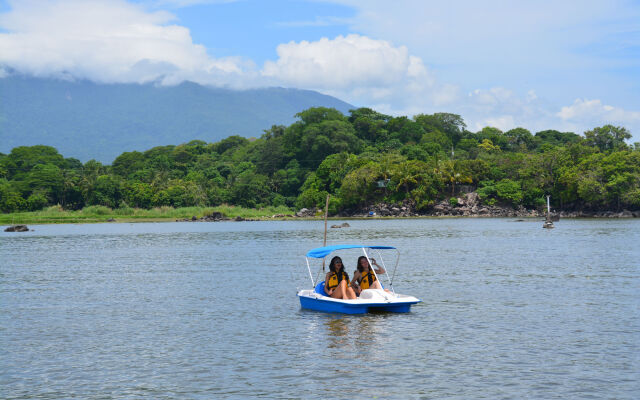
point(356, 275)
point(326, 281)
point(379, 270)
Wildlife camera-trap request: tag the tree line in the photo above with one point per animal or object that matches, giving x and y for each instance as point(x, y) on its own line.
point(360, 159)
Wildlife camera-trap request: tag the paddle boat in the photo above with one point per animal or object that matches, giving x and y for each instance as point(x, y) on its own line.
point(370, 300)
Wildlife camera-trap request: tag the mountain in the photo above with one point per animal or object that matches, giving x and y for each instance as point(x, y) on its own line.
point(86, 120)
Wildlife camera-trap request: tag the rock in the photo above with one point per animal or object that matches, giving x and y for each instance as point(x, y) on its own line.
point(17, 228)
point(305, 212)
point(345, 225)
point(625, 214)
point(214, 216)
point(471, 199)
point(111, 220)
point(194, 218)
point(238, 218)
point(336, 226)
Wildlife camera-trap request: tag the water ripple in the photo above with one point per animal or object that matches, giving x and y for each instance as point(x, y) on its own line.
point(196, 310)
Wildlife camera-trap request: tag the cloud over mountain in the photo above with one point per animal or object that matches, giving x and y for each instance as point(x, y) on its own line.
point(493, 63)
point(107, 41)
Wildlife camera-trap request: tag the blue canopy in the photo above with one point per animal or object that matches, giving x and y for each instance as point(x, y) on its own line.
point(322, 252)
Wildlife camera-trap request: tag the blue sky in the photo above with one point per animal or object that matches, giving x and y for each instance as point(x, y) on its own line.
point(566, 65)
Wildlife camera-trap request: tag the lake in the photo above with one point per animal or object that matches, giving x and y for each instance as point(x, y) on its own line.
point(209, 310)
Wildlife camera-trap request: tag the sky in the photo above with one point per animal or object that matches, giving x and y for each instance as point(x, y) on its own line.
point(565, 65)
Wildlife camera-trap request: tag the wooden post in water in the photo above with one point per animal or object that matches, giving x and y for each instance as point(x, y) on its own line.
point(326, 214)
point(548, 224)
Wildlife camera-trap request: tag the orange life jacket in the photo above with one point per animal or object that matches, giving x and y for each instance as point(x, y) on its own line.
point(367, 279)
point(333, 280)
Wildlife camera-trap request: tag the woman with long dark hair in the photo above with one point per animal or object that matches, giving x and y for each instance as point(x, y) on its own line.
point(336, 283)
point(364, 278)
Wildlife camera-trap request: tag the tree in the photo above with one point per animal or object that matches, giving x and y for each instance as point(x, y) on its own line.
point(316, 115)
point(46, 179)
point(509, 191)
point(106, 191)
point(451, 172)
point(452, 125)
point(325, 138)
point(10, 198)
point(230, 143)
point(358, 186)
point(493, 135)
point(23, 158)
point(369, 125)
point(405, 130)
point(555, 138)
point(608, 137)
point(127, 163)
point(519, 139)
point(488, 146)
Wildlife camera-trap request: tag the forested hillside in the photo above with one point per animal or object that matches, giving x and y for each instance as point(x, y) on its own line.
point(86, 120)
point(360, 158)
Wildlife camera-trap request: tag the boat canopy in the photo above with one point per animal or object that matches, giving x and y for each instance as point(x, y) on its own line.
point(322, 252)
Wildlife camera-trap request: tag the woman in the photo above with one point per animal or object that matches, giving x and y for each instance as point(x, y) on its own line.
point(336, 283)
point(364, 278)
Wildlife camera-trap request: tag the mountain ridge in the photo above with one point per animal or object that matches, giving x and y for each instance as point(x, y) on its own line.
point(87, 120)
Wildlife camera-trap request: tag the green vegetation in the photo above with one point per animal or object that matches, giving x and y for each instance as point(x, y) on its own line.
point(362, 158)
point(56, 214)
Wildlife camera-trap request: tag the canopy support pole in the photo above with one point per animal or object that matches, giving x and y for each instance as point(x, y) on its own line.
point(373, 270)
point(310, 274)
point(385, 270)
point(326, 214)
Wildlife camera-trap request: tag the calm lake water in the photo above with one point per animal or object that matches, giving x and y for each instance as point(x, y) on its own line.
point(209, 310)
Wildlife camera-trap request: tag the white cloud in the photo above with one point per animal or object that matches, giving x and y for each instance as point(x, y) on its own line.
point(116, 41)
point(107, 41)
point(586, 114)
point(351, 60)
point(594, 109)
point(555, 50)
point(361, 70)
point(504, 123)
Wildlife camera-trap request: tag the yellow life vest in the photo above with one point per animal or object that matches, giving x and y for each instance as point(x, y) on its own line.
point(367, 279)
point(333, 280)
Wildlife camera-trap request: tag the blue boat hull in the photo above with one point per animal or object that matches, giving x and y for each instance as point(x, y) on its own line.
point(350, 308)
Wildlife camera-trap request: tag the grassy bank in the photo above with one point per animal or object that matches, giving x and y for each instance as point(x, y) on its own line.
point(56, 215)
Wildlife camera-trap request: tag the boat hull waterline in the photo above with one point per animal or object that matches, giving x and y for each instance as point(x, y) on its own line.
point(370, 300)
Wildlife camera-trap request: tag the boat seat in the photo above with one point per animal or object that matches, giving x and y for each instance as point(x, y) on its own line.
point(320, 288)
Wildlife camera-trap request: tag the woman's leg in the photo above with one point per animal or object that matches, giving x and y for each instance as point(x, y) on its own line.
point(340, 291)
point(343, 291)
point(377, 285)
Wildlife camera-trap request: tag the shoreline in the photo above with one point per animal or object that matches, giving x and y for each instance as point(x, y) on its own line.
point(93, 220)
point(465, 206)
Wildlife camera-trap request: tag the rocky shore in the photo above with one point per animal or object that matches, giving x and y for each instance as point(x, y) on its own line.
point(467, 205)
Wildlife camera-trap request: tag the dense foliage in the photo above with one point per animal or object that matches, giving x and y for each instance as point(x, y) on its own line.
point(359, 159)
